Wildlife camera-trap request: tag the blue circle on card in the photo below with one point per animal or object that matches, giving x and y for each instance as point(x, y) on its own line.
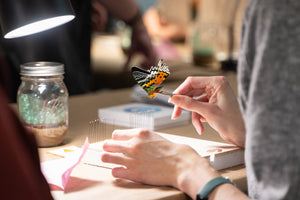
point(142, 109)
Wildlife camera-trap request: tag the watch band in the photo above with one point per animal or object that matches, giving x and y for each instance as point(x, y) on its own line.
point(210, 186)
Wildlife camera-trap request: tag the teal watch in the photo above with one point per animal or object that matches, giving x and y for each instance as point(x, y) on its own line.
point(210, 186)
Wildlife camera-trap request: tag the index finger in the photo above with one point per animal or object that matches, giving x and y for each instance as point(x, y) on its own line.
point(114, 146)
point(125, 134)
point(194, 86)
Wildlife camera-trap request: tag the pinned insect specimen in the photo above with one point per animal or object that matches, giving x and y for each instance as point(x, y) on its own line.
point(151, 80)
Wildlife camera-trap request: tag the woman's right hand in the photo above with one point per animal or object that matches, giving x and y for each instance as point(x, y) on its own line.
point(212, 100)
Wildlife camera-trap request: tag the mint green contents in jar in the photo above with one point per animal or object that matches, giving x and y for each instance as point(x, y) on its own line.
point(43, 101)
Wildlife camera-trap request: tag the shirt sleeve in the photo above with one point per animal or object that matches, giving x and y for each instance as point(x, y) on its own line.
point(21, 177)
point(269, 77)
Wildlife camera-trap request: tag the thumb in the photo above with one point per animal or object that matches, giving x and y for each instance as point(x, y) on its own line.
point(188, 103)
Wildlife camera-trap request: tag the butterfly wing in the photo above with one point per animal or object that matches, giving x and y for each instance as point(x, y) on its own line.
point(151, 80)
point(140, 75)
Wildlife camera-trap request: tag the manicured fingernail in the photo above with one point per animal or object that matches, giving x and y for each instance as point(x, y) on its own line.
point(199, 130)
point(173, 115)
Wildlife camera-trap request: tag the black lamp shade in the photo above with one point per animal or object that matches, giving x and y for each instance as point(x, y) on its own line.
point(23, 17)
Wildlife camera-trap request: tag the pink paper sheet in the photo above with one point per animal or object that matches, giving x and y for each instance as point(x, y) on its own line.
point(57, 172)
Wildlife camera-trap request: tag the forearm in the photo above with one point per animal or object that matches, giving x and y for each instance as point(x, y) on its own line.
point(198, 172)
point(194, 178)
point(124, 10)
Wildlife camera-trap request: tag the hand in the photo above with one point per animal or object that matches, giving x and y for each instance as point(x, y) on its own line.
point(147, 157)
point(212, 100)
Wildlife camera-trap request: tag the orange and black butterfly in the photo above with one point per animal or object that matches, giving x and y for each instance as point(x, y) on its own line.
point(150, 80)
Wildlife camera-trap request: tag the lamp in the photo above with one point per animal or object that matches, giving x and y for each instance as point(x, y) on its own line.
point(24, 17)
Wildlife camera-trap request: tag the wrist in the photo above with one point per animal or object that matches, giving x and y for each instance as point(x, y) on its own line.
point(195, 176)
point(210, 186)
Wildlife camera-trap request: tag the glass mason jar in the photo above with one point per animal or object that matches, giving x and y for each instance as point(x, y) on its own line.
point(43, 101)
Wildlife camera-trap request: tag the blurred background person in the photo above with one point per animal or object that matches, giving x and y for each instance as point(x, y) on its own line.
point(170, 19)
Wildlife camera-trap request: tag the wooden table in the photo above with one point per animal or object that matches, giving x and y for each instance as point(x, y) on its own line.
point(91, 182)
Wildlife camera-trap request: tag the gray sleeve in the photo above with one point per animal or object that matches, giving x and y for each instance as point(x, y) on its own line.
point(269, 92)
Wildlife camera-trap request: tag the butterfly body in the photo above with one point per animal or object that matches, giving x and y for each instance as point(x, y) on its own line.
point(150, 80)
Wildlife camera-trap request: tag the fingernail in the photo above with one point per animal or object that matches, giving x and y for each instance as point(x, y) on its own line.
point(173, 115)
point(199, 130)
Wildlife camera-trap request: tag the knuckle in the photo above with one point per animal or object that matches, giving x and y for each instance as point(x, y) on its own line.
point(188, 101)
point(105, 157)
point(115, 132)
point(135, 149)
point(143, 133)
point(191, 79)
point(222, 80)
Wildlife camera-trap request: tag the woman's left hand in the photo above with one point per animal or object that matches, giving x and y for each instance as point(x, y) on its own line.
point(149, 158)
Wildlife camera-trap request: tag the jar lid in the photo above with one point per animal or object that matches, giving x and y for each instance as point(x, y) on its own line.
point(42, 69)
